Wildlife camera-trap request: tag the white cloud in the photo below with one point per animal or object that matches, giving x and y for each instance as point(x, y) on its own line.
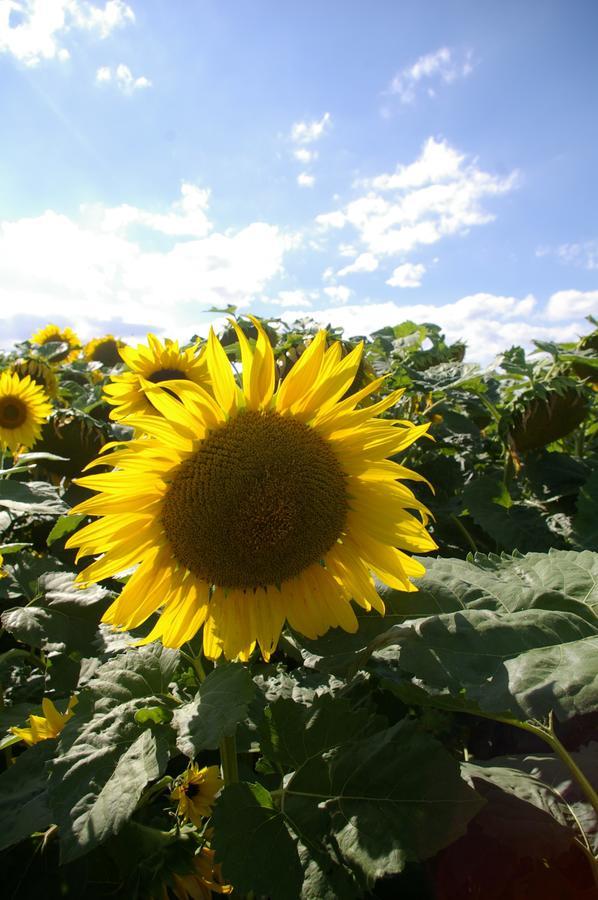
point(294, 299)
point(584, 255)
point(565, 304)
point(438, 195)
point(123, 78)
point(34, 30)
point(338, 293)
point(99, 266)
point(407, 275)
point(309, 132)
point(365, 262)
point(441, 66)
point(303, 155)
point(487, 322)
point(304, 179)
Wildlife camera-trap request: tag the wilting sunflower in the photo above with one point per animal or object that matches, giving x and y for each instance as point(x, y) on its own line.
point(24, 407)
point(255, 506)
point(41, 728)
point(153, 364)
point(52, 334)
point(105, 350)
point(39, 371)
point(196, 793)
point(204, 878)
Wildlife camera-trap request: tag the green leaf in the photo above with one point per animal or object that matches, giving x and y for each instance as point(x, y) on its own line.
point(23, 795)
point(585, 523)
point(388, 798)
point(6, 549)
point(34, 498)
point(508, 523)
point(253, 844)
point(519, 646)
point(153, 715)
point(105, 758)
point(63, 527)
point(291, 734)
point(220, 704)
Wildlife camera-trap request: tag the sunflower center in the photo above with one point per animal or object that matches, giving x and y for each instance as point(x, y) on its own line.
point(13, 412)
point(262, 499)
point(192, 790)
point(106, 353)
point(166, 375)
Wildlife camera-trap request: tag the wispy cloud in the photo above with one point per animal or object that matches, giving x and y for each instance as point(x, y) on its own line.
point(584, 255)
point(35, 30)
point(444, 66)
point(123, 78)
point(304, 179)
point(307, 132)
point(565, 304)
point(438, 195)
point(408, 275)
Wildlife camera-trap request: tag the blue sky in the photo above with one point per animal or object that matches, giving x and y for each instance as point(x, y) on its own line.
point(358, 163)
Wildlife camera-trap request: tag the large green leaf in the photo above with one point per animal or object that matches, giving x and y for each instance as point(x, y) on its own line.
point(23, 795)
point(105, 757)
point(291, 733)
point(253, 844)
point(524, 642)
point(34, 498)
point(394, 796)
point(508, 523)
point(220, 704)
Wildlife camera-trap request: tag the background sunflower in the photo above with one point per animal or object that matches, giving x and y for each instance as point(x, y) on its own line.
point(24, 407)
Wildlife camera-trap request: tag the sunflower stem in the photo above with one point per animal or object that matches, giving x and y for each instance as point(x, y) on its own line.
point(228, 759)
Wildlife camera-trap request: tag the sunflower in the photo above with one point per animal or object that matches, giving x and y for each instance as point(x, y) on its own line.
point(52, 334)
point(204, 878)
point(151, 365)
point(255, 506)
point(196, 793)
point(24, 407)
point(2, 572)
point(39, 371)
point(105, 350)
point(41, 728)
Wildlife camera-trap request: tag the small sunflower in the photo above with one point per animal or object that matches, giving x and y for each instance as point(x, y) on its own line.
point(24, 407)
point(40, 372)
point(153, 364)
point(204, 878)
point(255, 506)
point(52, 334)
point(105, 350)
point(2, 572)
point(196, 793)
point(41, 728)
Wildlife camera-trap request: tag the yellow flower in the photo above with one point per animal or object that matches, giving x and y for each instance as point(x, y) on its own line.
point(150, 365)
point(41, 728)
point(196, 792)
point(24, 407)
point(40, 372)
point(256, 505)
point(53, 334)
point(205, 878)
point(105, 350)
point(2, 573)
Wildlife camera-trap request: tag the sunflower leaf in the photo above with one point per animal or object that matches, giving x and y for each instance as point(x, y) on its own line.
point(220, 704)
point(23, 795)
point(392, 797)
point(253, 844)
point(105, 758)
point(32, 498)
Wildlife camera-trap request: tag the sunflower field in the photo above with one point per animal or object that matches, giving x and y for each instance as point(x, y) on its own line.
point(294, 615)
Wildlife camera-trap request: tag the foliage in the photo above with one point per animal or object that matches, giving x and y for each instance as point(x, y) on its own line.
point(443, 749)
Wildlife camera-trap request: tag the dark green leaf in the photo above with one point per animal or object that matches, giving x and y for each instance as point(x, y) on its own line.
point(253, 844)
point(63, 527)
point(585, 523)
point(32, 498)
point(220, 704)
point(508, 523)
point(23, 795)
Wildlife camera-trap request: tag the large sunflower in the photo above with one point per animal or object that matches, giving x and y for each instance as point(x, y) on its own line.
point(255, 506)
point(24, 407)
point(105, 350)
point(156, 364)
point(53, 334)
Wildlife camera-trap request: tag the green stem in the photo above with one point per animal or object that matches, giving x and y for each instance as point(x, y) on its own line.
point(197, 665)
point(228, 759)
point(464, 532)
